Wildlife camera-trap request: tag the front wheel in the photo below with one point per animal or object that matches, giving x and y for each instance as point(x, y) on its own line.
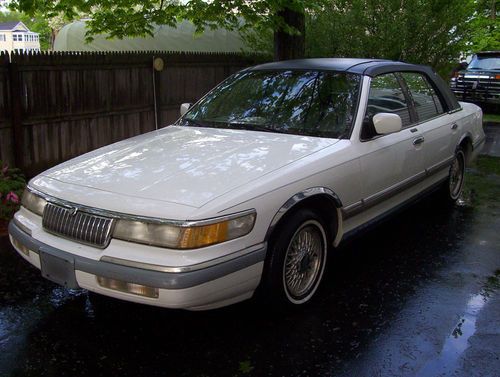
point(296, 259)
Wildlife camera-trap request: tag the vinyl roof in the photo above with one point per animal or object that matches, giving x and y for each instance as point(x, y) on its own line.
point(370, 67)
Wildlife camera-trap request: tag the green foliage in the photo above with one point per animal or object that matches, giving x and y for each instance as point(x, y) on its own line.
point(121, 18)
point(495, 118)
point(485, 26)
point(12, 184)
point(36, 23)
point(430, 32)
point(482, 183)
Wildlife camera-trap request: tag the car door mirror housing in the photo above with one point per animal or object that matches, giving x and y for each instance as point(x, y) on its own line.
point(387, 123)
point(185, 107)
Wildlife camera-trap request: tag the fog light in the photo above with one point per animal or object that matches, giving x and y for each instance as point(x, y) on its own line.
point(125, 286)
point(19, 246)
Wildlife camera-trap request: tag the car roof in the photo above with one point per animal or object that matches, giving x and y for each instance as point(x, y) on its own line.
point(369, 67)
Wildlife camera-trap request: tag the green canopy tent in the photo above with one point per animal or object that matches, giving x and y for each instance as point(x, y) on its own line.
point(182, 38)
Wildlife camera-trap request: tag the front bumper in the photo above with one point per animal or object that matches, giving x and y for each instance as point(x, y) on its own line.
point(483, 96)
point(214, 286)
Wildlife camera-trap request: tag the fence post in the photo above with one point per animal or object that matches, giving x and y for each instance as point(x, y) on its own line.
point(16, 113)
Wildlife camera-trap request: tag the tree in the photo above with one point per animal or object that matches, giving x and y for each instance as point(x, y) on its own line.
point(485, 25)
point(433, 32)
point(121, 18)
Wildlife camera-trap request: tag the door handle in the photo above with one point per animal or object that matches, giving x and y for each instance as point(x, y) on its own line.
point(454, 126)
point(418, 140)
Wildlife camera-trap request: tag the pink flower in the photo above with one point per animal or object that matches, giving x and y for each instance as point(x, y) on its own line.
point(4, 169)
point(12, 196)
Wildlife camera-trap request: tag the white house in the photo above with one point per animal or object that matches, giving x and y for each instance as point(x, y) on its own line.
point(15, 36)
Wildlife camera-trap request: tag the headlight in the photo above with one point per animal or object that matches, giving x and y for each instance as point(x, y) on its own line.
point(33, 202)
point(190, 235)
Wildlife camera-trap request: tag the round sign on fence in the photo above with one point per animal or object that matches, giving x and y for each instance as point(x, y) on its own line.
point(158, 64)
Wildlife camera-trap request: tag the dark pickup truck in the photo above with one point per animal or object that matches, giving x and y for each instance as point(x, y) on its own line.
point(480, 81)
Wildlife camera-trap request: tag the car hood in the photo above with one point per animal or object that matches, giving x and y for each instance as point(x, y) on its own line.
point(185, 165)
point(479, 72)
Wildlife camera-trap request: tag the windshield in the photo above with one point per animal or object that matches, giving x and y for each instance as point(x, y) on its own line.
point(487, 62)
point(311, 103)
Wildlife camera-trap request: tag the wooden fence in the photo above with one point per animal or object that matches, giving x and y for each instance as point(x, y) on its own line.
point(56, 106)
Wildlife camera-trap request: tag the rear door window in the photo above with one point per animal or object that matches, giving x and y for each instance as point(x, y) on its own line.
point(426, 102)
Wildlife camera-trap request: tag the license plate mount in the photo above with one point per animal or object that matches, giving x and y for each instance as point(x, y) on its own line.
point(57, 269)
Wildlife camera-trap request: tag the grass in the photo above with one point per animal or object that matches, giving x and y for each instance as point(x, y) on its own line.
point(491, 118)
point(482, 182)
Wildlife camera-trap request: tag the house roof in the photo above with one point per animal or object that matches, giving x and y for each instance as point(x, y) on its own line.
point(10, 25)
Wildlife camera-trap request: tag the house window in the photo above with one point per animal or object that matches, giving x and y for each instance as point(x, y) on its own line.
point(17, 37)
point(2, 37)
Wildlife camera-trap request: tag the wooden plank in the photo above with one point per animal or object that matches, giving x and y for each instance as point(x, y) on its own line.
point(16, 115)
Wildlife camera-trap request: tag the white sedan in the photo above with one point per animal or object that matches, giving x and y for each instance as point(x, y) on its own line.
point(252, 187)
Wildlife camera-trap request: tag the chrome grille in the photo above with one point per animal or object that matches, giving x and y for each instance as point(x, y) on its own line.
point(79, 226)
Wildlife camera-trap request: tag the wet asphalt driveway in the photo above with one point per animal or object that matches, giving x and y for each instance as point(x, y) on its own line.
point(416, 296)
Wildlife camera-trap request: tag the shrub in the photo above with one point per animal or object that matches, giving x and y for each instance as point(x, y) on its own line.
point(12, 184)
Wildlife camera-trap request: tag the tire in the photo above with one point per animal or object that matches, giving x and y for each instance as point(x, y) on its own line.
point(454, 184)
point(296, 259)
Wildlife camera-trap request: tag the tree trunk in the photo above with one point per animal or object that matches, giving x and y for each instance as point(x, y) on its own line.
point(288, 46)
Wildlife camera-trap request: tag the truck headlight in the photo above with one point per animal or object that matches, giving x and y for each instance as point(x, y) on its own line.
point(33, 202)
point(188, 235)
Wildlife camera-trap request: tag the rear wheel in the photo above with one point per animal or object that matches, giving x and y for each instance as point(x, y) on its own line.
point(296, 259)
point(456, 176)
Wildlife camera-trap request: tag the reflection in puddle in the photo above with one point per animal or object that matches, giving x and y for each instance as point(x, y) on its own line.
point(457, 342)
point(18, 321)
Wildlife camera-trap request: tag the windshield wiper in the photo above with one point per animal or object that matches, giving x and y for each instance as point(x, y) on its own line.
point(253, 127)
point(195, 122)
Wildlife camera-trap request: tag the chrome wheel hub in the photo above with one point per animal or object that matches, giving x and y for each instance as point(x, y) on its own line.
point(303, 261)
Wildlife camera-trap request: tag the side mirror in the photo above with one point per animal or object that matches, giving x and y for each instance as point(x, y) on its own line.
point(185, 107)
point(387, 123)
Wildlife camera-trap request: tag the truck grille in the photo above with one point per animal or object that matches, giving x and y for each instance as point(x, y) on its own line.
point(79, 226)
point(482, 86)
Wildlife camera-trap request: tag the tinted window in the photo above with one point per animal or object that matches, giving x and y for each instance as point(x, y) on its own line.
point(386, 96)
point(426, 101)
point(312, 103)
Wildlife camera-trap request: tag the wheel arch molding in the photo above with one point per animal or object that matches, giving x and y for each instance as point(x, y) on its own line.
point(302, 198)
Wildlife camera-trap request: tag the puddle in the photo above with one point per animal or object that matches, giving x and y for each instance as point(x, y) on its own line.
point(458, 341)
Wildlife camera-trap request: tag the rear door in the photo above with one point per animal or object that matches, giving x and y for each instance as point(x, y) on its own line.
point(438, 128)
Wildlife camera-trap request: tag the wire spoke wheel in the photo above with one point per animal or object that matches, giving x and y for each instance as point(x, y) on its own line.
point(456, 179)
point(304, 261)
